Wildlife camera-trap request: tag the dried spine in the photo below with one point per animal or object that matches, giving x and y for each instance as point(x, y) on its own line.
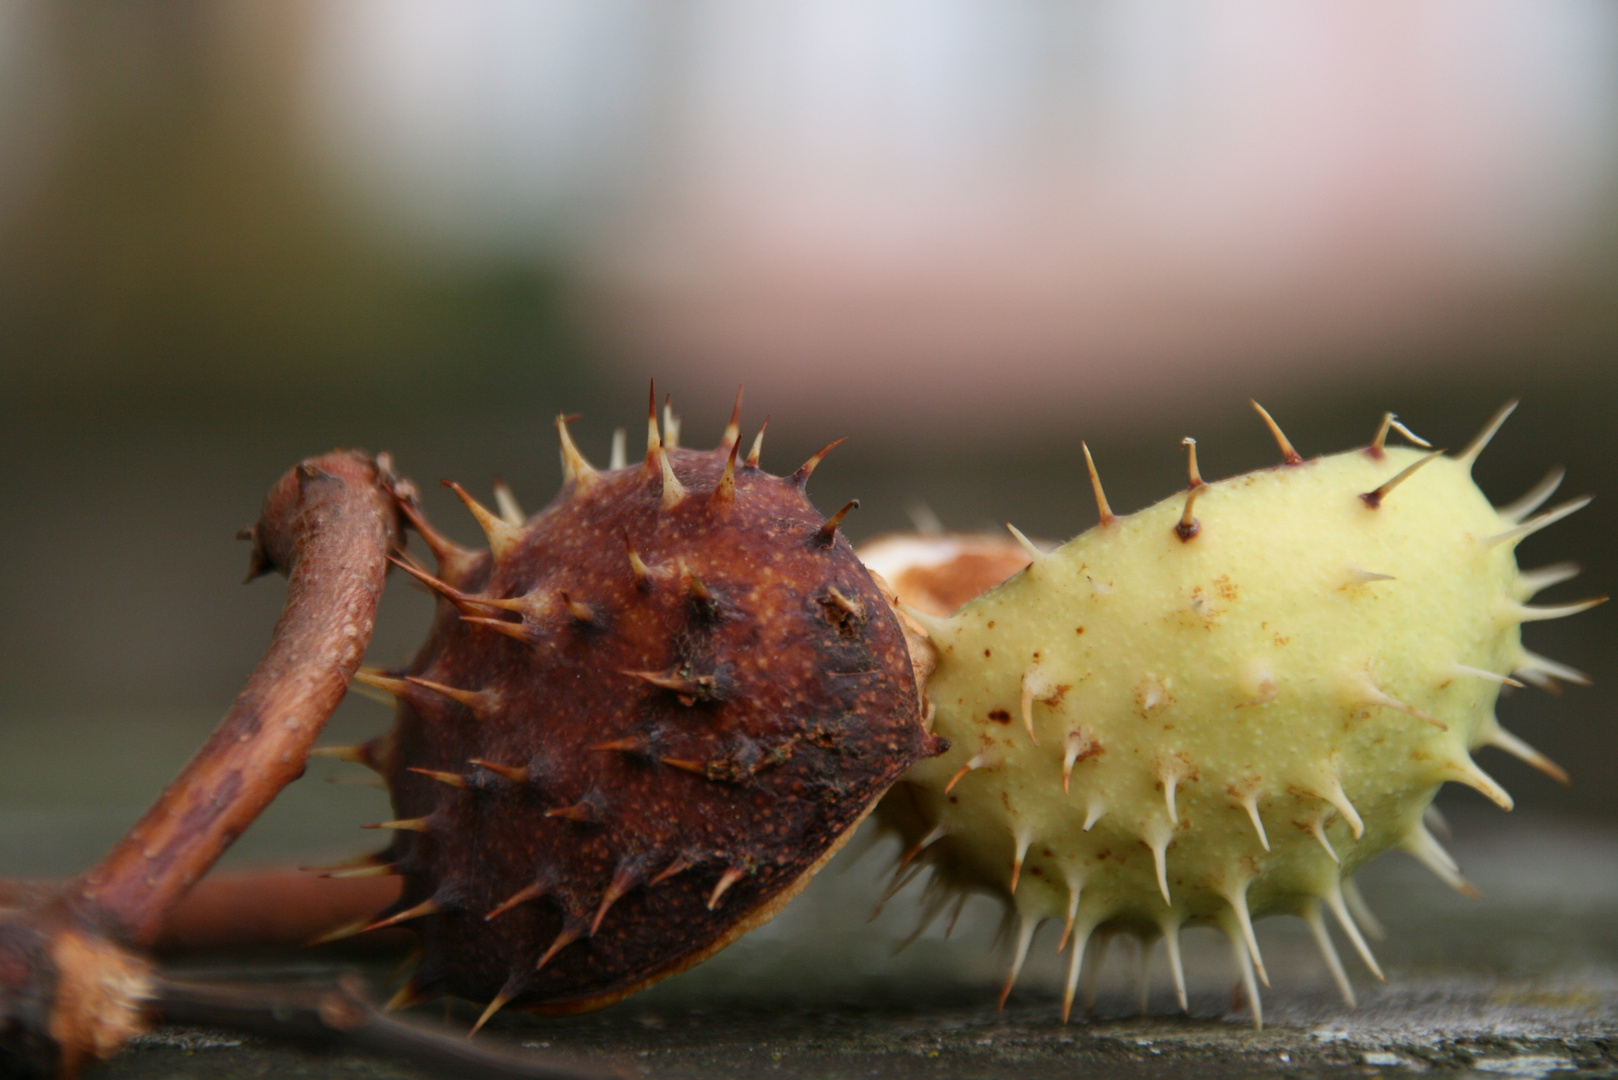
point(640, 722)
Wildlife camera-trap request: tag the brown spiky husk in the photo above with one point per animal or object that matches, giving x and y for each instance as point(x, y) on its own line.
point(729, 716)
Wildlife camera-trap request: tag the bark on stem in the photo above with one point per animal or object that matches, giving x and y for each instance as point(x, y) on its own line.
point(329, 524)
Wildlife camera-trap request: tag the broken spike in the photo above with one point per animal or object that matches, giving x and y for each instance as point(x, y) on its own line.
point(1522, 613)
point(732, 438)
point(502, 537)
point(1390, 420)
point(454, 780)
point(807, 469)
point(500, 1001)
point(576, 468)
point(1328, 952)
point(828, 532)
point(506, 503)
point(758, 445)
point(1025, 936)
point(1381, 437)
point(1334, 900)
point(1107, 516)
point(428, 906)
point(1250, 804)
point(567, 936)
point(625, 879)
point(419, 824)
point(1469, 456)
point(618, 457)
point(730, 877)
point(1533, 498)
point(1289, 456)
point(1373, 499)
point(1516, 533)
point(1171, 781)
point(1188, 527)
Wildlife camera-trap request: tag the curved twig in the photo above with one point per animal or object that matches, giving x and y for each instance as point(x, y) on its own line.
point(329, 524)
point(72, 988)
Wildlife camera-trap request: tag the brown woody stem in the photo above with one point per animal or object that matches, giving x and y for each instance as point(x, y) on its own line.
point(329, 524)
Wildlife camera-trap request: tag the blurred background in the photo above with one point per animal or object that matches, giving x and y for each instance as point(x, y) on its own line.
point(962, 234)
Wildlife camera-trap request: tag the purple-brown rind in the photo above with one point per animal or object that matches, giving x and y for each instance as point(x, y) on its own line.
point(692, 740)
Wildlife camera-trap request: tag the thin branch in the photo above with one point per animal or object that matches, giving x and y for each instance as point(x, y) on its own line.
point(329, 524)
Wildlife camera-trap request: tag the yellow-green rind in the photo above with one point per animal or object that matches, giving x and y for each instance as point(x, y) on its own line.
point(1312, 652)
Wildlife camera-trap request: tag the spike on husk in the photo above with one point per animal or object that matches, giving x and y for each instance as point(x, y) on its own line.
point(1247, 721)
point(564, 785)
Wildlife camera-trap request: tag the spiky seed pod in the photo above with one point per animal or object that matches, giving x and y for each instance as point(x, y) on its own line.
point(1223, 706)
point(640, 722)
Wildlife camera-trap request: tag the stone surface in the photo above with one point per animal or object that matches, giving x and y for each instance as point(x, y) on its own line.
point(1521, 983)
